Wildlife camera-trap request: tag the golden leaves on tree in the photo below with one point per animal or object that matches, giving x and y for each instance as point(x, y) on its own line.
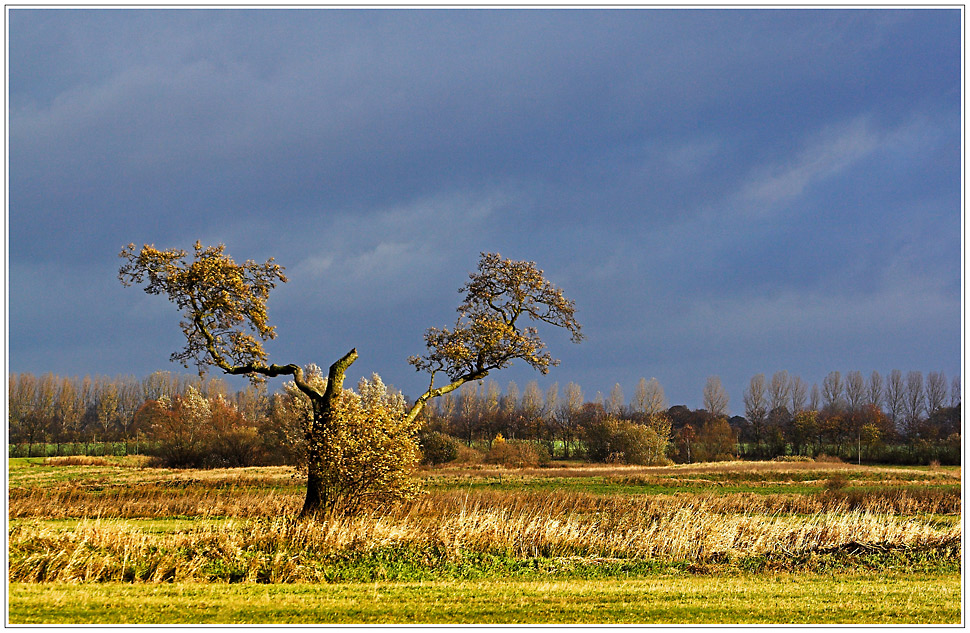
point(223, 303)
point(489, 333)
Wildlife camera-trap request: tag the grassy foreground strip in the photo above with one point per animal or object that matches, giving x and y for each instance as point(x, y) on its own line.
point(776, 598)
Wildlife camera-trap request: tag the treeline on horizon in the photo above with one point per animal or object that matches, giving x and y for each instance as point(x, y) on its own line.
point(897, 418)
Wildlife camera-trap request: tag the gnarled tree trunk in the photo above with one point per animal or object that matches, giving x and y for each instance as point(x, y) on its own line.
point(324, 406)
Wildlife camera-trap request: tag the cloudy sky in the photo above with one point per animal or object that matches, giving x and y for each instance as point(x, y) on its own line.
point(722, 192)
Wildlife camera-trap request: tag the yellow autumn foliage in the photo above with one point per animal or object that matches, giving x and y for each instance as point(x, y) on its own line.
point(368, 451)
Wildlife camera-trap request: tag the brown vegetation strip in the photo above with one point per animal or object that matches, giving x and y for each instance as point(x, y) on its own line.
point(245, 499)
point(582, 469)
point(151, 501)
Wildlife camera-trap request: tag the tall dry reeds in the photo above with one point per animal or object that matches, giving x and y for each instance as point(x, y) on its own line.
point(284, 549)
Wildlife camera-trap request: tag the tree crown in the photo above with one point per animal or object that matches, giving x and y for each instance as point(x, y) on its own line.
point(488, 333)
point(223, 303)
point(224, 317)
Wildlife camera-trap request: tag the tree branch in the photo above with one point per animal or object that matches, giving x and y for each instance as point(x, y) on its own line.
point(335, 378)
point(418, 405)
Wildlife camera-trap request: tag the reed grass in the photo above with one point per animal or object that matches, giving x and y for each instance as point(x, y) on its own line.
point(447, 528)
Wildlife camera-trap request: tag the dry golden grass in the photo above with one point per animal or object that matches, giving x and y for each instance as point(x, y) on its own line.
point(284, 549)
point(151, 500)
point(244, 499)
point(128, 461)
point(77, 460)
point(113, 491)
point(679, 527)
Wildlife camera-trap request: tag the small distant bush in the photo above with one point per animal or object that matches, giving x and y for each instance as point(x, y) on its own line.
point(828, 459)
point(437, 448)
point(792, 458)
point(517, 453)
point(616, 441)
point(469, 455)
point(192, 431)
point(77, 460)
point(716, 442)
point(231, 441)
point(179, 426)
point(836, 482)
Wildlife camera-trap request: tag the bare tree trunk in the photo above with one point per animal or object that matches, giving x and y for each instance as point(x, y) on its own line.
point(315, 495)
point(323, 408)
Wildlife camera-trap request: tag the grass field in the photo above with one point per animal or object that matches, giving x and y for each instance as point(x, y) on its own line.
point(103, 540)
point(780, 598)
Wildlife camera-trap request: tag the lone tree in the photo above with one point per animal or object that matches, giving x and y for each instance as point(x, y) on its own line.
point(224, 321)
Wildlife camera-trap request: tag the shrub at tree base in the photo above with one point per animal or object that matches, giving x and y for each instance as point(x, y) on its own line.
point(369, 448)
point(369, 451)
point(516, 453)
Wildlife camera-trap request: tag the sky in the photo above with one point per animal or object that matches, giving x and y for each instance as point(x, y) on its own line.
point(721, 192)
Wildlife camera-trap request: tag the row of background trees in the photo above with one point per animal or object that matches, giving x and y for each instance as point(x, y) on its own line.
point(82, 415)
point(899, 418)
point(894, 418)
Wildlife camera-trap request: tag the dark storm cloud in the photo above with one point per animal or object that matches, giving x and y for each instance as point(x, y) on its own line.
point(718, 190)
